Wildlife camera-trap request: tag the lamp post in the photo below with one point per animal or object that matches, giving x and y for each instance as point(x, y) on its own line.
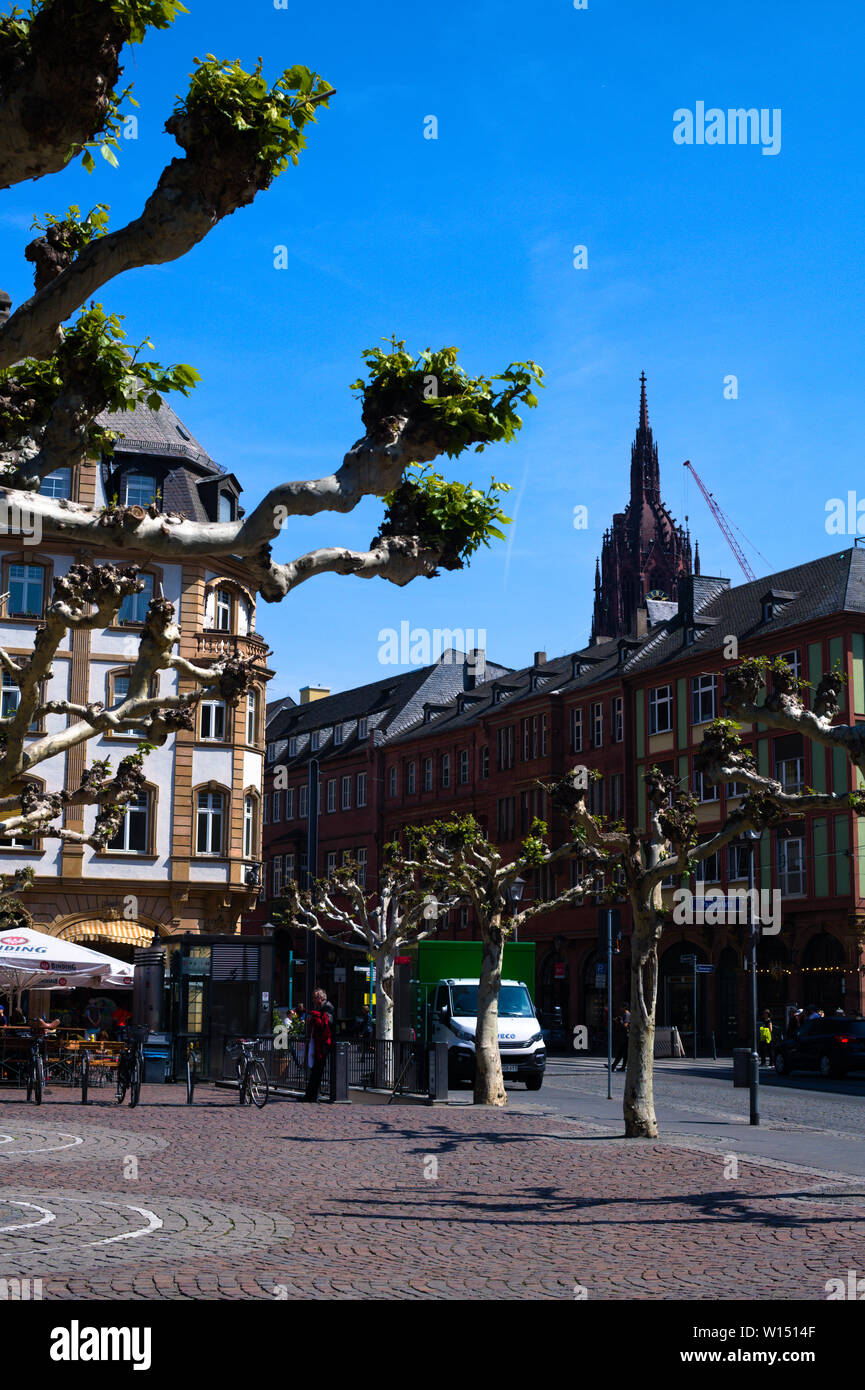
point(753, 837)
point(515, 893)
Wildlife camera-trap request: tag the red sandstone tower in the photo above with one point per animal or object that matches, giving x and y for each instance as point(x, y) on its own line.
point(644, 551)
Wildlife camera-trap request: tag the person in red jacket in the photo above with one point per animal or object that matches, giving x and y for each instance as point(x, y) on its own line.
point(321, 1040)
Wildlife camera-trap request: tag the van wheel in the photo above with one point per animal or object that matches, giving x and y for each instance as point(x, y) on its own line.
point(830, 1068)
point(781, 1064)
point(534, 1083)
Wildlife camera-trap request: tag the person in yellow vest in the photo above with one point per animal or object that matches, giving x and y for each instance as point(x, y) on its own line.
point(764, 1038)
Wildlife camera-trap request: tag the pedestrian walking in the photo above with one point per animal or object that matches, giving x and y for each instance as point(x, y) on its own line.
point(320, 1041)
point(620, 1039)
point(765, 1038)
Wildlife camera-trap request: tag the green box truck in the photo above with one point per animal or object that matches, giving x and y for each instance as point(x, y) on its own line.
point(445, 977)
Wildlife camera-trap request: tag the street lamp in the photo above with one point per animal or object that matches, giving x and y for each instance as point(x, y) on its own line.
point(753, 836)
point(515, 893)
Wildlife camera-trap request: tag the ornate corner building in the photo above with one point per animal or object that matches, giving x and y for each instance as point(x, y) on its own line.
point(187, 857)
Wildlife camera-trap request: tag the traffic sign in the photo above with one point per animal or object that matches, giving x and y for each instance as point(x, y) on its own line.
point(705, 969)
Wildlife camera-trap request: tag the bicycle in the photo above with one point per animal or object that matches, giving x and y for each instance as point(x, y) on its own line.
point(35, 1072)
point(130, 1068)
point(251, 1075)
point(191, 1071)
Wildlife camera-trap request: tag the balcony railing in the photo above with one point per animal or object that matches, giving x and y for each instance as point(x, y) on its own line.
point(217, 644)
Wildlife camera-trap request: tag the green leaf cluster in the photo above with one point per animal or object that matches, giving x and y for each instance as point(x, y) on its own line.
point(451, 517)
point(463, 410)
point(95, 354)
point(224, 101)
point(74, 232)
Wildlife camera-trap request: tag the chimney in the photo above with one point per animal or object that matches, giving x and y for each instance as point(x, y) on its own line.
point(642, 621)
point(474, 668)
point(540, 659)
point(309, 693)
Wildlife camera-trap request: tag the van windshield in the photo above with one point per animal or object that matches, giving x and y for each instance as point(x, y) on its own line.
point(514, 1001)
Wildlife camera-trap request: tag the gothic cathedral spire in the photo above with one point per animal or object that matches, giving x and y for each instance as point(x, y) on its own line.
point(644, 551)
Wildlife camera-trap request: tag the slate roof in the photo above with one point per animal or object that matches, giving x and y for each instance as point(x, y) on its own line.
point(831, 584)
point(391, 706)
point(146, 431)
point(553, 677)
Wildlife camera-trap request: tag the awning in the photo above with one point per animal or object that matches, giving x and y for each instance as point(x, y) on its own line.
point(130, 933)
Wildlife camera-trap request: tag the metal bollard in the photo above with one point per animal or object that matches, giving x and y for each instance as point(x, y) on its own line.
point(339, 1074)
point(438, 1073)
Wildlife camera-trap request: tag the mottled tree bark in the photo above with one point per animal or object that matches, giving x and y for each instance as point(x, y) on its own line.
point(639, 1101)
point(489, 1081)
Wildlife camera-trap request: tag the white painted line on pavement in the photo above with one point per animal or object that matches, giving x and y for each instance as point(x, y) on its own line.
point(47, 1217)
point(54, 1148)
point(153, 1224)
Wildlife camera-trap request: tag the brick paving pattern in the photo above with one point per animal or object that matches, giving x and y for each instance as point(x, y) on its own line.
point(300, 1200)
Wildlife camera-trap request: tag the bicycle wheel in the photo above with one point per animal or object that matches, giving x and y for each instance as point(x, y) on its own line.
point(85, 1077)
point(243, 1085)
point(122, 1082)
point(135, 1084)
point(38, 1081)
point(256, 1084)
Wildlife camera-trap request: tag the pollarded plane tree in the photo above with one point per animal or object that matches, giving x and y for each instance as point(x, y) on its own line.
point(458, 854)
point(407, 908)
point(670, 846)
point(65, 360)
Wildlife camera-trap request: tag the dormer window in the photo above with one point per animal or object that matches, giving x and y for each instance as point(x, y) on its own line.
point(315, 741)
point(139, 489)
point(57, 484)
point(227, 507)
point(338, 734)
point(363, 728)
point(292, 747)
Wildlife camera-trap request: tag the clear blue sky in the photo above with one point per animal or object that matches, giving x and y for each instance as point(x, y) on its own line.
point(555, 129)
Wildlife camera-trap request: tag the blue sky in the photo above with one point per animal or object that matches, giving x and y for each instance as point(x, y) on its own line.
point(555, 129)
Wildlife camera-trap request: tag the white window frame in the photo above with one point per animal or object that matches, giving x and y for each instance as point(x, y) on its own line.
point(139, 805)
point(213, 813)
point(345, 793)
point(577, 729)
point(212, 708)
point(331, 795)
point(360, 789)
point(251, 716)
point(661, 710)
point(704, 688)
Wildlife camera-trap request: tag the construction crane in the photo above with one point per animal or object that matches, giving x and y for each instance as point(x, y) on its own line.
point(723, 523)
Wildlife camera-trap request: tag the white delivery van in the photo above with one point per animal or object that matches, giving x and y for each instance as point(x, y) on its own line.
point(521, 1044)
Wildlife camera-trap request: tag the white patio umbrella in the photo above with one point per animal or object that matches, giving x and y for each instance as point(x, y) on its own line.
point(33, 960)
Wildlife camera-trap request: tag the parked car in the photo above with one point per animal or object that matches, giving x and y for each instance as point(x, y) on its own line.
point(832, 1046)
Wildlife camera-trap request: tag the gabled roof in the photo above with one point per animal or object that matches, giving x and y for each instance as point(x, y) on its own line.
point(553, 677)
point(391, 706)
point(819, 588)
point(158, 432)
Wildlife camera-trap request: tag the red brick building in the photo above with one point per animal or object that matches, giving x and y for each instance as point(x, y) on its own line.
point(444, 740)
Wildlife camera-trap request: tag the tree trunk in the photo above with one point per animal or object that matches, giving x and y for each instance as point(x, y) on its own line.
point(639, 1103)
point(489, 1083)
point(384, 975)
point(384, 1054)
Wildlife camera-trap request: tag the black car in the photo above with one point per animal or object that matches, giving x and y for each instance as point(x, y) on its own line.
point(832, 1046)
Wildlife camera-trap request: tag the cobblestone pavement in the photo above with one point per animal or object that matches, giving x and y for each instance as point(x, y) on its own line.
point(215, 1201)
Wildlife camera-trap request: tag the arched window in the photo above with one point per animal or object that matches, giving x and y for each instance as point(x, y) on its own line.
point(251, 818)
point(252, 717)
point(137, 831)
point(211, 820)
point(22, 841)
